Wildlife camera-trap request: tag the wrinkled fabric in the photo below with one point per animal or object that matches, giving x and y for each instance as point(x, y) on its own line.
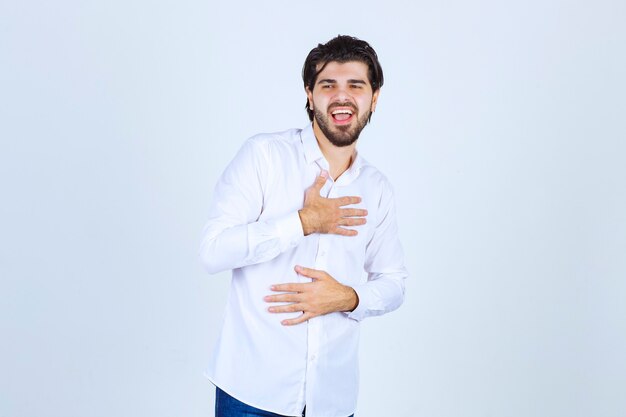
point(254, 229)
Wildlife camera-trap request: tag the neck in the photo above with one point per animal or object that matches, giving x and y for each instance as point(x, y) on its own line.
point(339, 158)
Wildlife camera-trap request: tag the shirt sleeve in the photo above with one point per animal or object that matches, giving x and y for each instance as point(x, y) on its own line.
point(384, 263)
point(233, 235)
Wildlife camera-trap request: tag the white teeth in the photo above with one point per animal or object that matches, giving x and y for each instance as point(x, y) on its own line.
point(342, 111)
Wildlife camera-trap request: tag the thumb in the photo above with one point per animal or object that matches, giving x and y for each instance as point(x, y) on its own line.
point(314, 274)
point(320, 180)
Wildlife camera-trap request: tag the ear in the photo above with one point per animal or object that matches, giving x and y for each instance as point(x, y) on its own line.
point(309, 96)
point(375, 100)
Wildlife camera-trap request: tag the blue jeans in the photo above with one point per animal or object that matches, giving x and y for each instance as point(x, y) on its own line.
point(227, 406)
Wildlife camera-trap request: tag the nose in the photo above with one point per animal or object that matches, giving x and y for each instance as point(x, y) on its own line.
point(342, 94)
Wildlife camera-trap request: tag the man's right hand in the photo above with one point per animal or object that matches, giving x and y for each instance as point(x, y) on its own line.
point(325, 215)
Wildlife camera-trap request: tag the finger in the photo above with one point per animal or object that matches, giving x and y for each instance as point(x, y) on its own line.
point(352, 221)
point(350, 212)
point(291, 287)
point(310, 272)
point(344, 201)
point(278, 298)
point(287, 308)
point(304, 317)
point(344, 232)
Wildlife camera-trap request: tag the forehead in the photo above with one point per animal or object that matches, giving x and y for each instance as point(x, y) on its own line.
point(344, 70)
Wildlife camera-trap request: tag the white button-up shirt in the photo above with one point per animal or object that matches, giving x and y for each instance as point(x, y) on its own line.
point(255, 230)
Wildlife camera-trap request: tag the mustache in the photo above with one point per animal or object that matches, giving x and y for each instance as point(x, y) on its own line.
point(349, 105)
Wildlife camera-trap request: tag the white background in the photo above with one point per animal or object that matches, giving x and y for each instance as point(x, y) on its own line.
point(500, 124)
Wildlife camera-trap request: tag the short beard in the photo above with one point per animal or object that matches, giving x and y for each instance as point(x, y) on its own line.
point(342, 135)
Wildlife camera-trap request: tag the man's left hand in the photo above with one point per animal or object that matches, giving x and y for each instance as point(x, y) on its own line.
point(321, 296)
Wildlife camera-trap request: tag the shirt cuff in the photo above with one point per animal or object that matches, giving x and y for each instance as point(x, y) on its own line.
point(289, 228)
point(360, 312)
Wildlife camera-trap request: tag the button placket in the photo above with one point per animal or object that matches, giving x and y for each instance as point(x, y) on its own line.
point(320, 259)
point(320, 264)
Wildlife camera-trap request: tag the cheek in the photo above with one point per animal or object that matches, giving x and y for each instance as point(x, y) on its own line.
point(321, 103)
point(365, 104)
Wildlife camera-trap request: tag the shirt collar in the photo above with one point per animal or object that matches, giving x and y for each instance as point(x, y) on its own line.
point(313, 153)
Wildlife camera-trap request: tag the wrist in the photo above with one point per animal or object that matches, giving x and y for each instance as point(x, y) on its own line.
point(352, 299)
point(304, 219)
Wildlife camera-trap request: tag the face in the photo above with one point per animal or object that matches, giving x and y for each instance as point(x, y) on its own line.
point(342, 101)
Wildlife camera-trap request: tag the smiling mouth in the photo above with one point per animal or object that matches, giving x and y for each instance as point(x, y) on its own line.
point(342, 115)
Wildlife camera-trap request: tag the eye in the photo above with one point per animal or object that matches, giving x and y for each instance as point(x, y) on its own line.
point(359, 86)
point(327, 86)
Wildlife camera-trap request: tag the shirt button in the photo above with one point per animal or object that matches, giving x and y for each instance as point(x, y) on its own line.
point(323, 253)
point(312, 358)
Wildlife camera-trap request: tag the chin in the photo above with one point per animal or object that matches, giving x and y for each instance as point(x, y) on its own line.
point(342, 140)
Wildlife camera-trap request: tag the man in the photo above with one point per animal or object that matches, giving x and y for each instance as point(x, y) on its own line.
point(308, 228)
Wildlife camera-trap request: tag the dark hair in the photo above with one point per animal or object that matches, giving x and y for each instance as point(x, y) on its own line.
point(341, 49)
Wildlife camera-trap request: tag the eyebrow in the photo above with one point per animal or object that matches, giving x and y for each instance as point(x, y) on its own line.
point(331, 81)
